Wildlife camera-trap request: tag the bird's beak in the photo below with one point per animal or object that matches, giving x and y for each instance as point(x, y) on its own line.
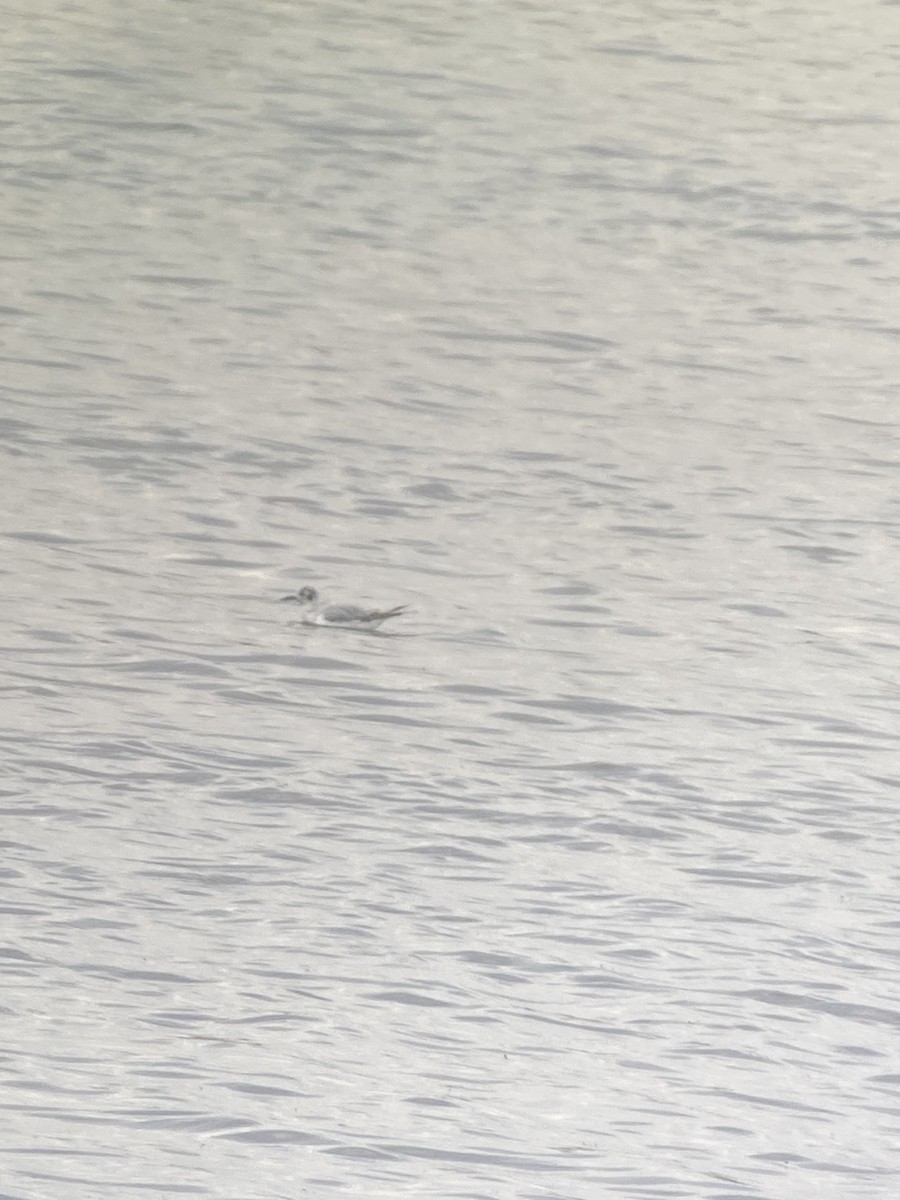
point(290, 598)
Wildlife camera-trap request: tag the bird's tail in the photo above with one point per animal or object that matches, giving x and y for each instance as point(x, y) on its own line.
point(392, 612)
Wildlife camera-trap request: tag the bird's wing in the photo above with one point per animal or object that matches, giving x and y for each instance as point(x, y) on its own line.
point(345, 612)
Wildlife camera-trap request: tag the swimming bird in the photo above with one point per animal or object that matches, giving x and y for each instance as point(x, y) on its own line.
point(345, 616)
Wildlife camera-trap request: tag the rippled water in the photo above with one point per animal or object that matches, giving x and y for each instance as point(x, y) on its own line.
point(577, 332)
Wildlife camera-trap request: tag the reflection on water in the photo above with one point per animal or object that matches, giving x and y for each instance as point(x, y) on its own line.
point(573, 332)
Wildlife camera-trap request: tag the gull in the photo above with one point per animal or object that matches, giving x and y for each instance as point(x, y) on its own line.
point(345, 616)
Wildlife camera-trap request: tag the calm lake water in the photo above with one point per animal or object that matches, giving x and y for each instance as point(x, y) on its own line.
point(576, 328)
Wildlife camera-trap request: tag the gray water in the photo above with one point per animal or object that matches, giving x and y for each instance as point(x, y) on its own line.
point(575, 328)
